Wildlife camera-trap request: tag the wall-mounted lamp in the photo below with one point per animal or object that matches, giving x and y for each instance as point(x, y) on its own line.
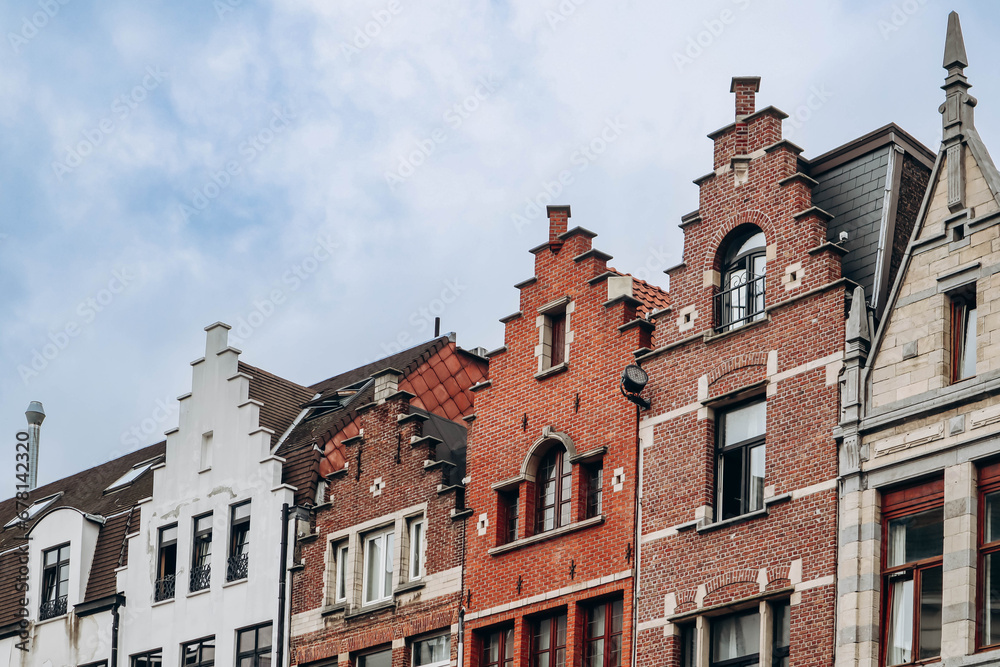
point(634, 380)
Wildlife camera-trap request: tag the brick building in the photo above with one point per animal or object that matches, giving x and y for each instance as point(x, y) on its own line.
point(378, 574)
point(919, 574)
point(552, 466)
point(739, 464)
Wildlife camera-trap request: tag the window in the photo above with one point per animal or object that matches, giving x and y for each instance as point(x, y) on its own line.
point(433, 652)
point(963, 334)
point(198, 654)
point(166, 564)
point(735, 640)
point(553, 337)
point(595, 486)
point(32, 511)
point(557, 338)
point(989, 556)
point(781, 634)
point(740, 300)
point(498, 648)
point(253, 646)
point(555, 490)
point(604, 635)
point(509, 515)
point(378, 566)
point(740, 460)
point(340, 583)
point(206, 451)
point(55, 582)
point(548, 642)
point(238, 562)
point(913, 543)
point(131, 475)
point(689, 645)
point(417, 548)
point(201, 554)
point(377, 659)
point(147, 659)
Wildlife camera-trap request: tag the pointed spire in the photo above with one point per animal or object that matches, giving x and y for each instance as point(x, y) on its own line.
point(857, 321)
point(954, 44)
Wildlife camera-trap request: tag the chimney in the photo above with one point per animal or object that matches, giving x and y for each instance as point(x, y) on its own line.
point(386, 383)
point(745, 88)
point(558, 224)
point(36, 415)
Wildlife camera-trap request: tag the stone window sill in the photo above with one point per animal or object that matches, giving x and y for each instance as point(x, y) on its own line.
point(334, 608)
point(749, 516)
point(409, 587)
point(371, 608)
point(547, 535)
point(552, 370)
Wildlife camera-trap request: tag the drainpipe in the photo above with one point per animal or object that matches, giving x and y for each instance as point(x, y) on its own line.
point(638, 541)
point(114, 631)
point(279, 652)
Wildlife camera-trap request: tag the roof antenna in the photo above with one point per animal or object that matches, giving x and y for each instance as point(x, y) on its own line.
point(437, 327)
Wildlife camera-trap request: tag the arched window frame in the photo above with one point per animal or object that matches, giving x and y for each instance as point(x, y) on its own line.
point(740, 297)
point(554, 490)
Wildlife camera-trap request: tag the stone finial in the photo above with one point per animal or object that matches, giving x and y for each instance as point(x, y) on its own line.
point(956, 112)
point(954, 45)
point(857, 320)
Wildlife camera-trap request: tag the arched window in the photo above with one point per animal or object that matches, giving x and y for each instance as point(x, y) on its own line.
point(554, 483)
point(741, 297)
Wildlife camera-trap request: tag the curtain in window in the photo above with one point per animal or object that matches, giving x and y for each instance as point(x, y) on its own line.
point(900, 623)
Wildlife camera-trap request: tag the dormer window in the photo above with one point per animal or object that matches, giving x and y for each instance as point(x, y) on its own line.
point(740, 299)
point(32, 511)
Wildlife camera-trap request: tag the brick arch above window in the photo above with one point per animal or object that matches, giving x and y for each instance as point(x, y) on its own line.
point(736, 363)
point(715, 250)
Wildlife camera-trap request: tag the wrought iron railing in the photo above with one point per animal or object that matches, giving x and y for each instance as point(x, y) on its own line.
point(52, 608)
point(237, 567)
point(201, 577)
point(740, 303)
point(165, 588)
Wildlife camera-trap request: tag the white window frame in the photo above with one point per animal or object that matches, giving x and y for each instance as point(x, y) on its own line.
point(386, 565)
point(417, 547)
point(442, 663)
point(340, 554)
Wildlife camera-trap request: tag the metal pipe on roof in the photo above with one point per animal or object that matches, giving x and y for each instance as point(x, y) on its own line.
point(36, 415)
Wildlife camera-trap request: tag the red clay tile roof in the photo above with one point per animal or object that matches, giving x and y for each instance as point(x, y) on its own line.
point(109, 554)
point(282, 399)
point(653, 297)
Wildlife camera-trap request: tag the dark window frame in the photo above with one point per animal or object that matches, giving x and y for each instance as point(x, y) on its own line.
point(503, 635)
point(510, 515)
point(595, 489)
point(742, 661)
point(745, 448)
point(201, 644)
point(361, 658)
point(963, 302)
point(257, 651)
point(166, 582)
point(608, 635)
point(751, 291)
point(554, 646)
point(562, 470)
point(557, 337)
point(54, 589)
point(238, 555)
point(201, 559)
point(989, 484)
point(780, 654)
point(145, 659)
point(898, 503)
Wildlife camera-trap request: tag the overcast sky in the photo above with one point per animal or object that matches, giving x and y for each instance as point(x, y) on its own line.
point(328, 176)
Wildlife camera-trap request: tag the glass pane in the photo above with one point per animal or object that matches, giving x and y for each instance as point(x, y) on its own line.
point(387, 581)
point(246, 662)
point(968, 361)
point(342, 573)
point(416, 548)
point(782, 625)
point(560, 658)
point(561, 631)
point(595, 653)
point(542, 660)
point(491, 651)
point(899, 642)
point(373, 569)
point(735, 636)
point(731, 483)
point(755, 241)
point(241, 512)
point(916, 537)
point(595, 622)
point(264, 660)
point(615, 651)
point(616, 616)
point(508, 648)
point(992, 519)
point(542, 630)
point(264, 636)
point(930, 612)
point(689, 645)
point(745, 422)
point(380, 659)
point(203, 523)
point(168, 534)
point(549, 519)
point(432, 650)
point(52, 557)
point(564, 513)
point(756, 498)
point(991, 589)
point(244, 641)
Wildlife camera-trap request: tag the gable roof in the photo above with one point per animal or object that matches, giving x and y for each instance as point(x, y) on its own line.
point(652, 297)
point(282, 399)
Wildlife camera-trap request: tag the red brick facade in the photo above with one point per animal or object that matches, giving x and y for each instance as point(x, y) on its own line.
point(543, 398)
point(695, 567)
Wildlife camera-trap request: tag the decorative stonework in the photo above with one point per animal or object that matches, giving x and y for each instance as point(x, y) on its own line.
point(618, 480)
point(483, 523)
point(794, 273)
point(685, 322)
point(376, 487)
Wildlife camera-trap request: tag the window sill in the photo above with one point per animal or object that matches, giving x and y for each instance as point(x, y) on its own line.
point(552, 370)
point(334, 608)
point(371, 608)
point(192, 594)
point(549, 534)
point(235, 582)
point(749, 516)
point(160, 603)
point(409, 587)
point(60, 617)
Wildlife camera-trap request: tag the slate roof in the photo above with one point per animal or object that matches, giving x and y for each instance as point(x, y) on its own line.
point(282, 399)
point(452, 445)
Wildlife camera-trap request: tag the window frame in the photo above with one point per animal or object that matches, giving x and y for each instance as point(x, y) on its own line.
point(744, 660)
point(257, 651)
point(562, 471)
point(554, 647)
point(361, 658)
point(238, 553)
point(387, 564)
point(201, 573)
point(341, 553)
point(416, 553)
point(146, 656)
point(418, 640)
point(746, 448)
point(962, 302)
point(165, 586)
point(899, 503)
point(503, 635)
point(594, 503)
point(509, 524)
point(50, 589)
point(201, 644)
point(989, 483)
point(752, 290)
point(607, 635)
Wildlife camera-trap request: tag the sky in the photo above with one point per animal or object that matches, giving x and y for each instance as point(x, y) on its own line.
point(327, 177)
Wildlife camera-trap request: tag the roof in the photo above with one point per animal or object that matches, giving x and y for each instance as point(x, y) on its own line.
point(653, 298)
point(452, 446)
point(110, 553)
point(282, 399)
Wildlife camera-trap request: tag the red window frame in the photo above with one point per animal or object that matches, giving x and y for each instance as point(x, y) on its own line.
point(503, 639)
point(612, 609)
point(989, 482)
point(556, 650)
point(556, 469)
point(961, 303)
point(896, 504)
point(509, 515)
point(557, 325)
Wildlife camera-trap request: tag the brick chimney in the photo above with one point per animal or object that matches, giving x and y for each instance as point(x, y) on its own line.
point(746, 88)
point(558, 224)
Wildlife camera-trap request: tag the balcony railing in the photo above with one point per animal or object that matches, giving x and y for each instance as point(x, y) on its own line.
point(165, 588)
point(740, 303)
point(52, 608)
point(237, 567)
point(201, 577)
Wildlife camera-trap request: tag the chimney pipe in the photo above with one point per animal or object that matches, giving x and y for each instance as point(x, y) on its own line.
point(437, 327)
point(36, 415)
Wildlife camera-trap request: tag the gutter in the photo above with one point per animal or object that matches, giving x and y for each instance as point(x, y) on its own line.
point(279, 650)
